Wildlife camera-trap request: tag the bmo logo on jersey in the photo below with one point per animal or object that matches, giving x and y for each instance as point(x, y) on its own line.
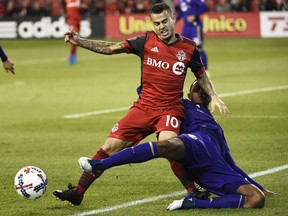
point(178, 67)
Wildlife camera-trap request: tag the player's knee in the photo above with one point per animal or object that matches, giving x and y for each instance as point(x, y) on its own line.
point(172, 149)
point(256, 201)
point(163, 148)
point(113, 145)
point(259, 200)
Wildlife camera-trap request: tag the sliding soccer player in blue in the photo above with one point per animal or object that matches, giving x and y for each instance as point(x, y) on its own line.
point(203, 151)
point(190, 11)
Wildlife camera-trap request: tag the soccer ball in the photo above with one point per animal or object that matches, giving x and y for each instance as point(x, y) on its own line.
point(30, 182)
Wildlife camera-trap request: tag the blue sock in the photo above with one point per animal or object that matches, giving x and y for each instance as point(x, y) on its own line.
point(137, 154)
point(204, 58)
point(226, 201)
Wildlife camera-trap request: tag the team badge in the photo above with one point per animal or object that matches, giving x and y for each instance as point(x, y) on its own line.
point(115, 128)
point(181, 55)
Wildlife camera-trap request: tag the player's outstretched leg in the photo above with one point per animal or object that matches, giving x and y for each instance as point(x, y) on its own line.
point(227, 201)
point(69, 195)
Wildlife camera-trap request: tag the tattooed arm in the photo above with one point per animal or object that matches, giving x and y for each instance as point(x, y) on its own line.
point(98, 46)
point(207, 85)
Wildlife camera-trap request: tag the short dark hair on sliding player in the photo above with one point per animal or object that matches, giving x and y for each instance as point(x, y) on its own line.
point(159, 8)
point(206, 99)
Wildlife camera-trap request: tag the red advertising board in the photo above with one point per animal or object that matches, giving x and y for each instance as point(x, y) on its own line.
point(215, 25)
point(125, 26)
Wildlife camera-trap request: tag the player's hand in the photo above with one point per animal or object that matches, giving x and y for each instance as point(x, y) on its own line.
point(197, 194)
point(72, 37)
point(9, 66)
point(268, 192)
point(216, 101)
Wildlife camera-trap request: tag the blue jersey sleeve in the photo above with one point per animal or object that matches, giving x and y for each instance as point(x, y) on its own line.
point(3, 55)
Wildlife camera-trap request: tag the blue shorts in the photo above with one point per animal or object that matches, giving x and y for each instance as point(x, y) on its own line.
point(206, 163)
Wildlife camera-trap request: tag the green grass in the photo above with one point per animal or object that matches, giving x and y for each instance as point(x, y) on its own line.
point(44, 89)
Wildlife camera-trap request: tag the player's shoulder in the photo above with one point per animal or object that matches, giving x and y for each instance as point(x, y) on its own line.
point(188, 104)
point(150, 33)
point(187, 40)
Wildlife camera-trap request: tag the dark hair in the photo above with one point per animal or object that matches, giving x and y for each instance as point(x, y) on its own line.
point(206, 99)
point(159, 8)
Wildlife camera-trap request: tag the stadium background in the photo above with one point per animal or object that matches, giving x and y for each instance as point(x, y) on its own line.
point(121, 19)
point(40, 106)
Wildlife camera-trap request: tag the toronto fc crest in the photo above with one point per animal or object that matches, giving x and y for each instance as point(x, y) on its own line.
point(115, 128)
point(181, 55)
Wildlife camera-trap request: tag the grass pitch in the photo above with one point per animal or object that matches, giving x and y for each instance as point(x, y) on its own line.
point(44, 89)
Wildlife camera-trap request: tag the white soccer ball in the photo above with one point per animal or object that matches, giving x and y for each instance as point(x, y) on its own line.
point(30, 182)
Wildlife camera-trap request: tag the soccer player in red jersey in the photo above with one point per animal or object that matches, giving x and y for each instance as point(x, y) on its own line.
point(71, 9)
point(165, 58)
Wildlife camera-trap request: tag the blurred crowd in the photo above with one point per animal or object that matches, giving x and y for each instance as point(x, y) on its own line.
point(21, 8)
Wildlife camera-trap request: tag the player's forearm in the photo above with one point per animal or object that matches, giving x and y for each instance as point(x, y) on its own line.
point(102, 47)
point(207, 85)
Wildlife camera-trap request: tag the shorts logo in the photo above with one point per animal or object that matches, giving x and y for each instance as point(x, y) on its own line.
point(192, 136)
point(115, 128)
point(178, 68)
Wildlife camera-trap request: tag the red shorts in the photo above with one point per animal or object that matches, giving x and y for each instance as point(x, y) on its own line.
point(141, 121)
point(74, 24)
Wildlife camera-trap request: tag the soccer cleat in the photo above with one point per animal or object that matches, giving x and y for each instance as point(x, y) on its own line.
point(72, 59)
point(69, 195)
point(176, 204)
point(182, 204)
point(91, 165)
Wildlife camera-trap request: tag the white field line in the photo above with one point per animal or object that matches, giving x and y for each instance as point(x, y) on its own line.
point(156, 198)
point(231, 94)
point(251, 91)
point(96, 112)
point(257, 117)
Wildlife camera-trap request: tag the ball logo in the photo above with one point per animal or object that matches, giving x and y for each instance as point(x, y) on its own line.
point(178, 68)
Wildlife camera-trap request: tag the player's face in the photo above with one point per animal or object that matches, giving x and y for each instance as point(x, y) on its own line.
point(198, 95)
point(163, 25)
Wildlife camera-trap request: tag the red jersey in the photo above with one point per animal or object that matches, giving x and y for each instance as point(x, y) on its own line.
point(164, 67)
point(73, 11)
